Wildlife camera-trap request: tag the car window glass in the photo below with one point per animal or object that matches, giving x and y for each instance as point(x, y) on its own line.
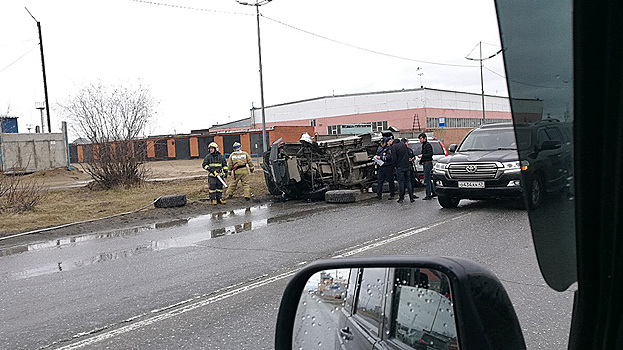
point(554, 134)
point(538, 54)
point(416, 147)
point(436, 148)
point(542, 136)
point(423, 315)
point(370, 299)
point(353, 277)
point(486, 140)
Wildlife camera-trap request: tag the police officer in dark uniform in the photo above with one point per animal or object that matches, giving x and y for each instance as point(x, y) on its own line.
point(412, 171)
point(386, 169)
point(426, 159)
point(400, 158)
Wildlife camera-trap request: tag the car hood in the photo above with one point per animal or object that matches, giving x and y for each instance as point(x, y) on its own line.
point(482, 156)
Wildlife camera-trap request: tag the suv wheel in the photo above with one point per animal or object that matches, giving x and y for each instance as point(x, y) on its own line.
point(535, 192)
point(448, 202)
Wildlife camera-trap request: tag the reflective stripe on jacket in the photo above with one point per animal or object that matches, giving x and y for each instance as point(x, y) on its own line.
point(214, 162)
point(238, 162)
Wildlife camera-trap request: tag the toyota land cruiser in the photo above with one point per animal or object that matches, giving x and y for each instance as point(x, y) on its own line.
point(486, 164)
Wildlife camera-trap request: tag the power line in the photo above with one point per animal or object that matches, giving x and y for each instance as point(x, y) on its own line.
point(19, 42)
point(367, 50)
point(19, 58)
point(527, 84)
point(191, 8)
point(304, 31)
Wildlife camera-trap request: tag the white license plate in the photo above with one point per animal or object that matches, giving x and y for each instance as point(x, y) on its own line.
point(471, 184)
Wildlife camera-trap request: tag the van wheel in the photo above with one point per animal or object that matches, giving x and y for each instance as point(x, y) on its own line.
point(448, 202)
point(535, 192)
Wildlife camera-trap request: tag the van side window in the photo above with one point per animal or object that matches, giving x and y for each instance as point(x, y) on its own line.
point(370, 299)
point(422, 310)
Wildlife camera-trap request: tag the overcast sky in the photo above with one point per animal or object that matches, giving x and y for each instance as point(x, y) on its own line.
point(201, 61)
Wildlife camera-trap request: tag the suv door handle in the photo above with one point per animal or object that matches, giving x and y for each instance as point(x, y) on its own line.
point(346, 334)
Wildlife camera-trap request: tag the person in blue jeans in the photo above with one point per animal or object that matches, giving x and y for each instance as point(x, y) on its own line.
point(426, 160)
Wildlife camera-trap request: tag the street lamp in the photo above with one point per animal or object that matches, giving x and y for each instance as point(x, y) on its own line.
point(257, 5)
point(45, 82)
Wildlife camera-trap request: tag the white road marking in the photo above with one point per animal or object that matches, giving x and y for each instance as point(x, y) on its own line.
point(204, 302)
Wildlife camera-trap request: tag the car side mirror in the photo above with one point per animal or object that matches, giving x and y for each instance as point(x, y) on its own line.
point(549, 145)
point(452, 148)
point(416, 302)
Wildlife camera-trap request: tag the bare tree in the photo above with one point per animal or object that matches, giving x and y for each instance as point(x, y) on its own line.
point(111, 118)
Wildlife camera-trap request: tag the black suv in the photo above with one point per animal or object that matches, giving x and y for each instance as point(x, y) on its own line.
point(486, 164)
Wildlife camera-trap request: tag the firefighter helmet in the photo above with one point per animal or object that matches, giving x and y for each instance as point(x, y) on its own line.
point(213, 145)
point(236, 145)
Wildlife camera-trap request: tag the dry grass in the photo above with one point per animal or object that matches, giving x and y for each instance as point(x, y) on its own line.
point(78, 204)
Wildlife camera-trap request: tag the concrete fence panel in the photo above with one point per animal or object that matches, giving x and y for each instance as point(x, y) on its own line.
point(32, 152)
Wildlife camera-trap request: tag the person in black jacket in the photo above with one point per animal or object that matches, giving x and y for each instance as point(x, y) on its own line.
point(216, 166)
point(385, 169)
point(426, 159)
point(400, 158)
point(412, 170)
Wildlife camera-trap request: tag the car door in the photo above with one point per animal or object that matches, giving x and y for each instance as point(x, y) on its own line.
point(550, 159)
point(420, 311)
point(361, 329)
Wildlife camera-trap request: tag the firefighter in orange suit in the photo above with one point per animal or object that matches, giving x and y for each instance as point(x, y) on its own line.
point(240, 165)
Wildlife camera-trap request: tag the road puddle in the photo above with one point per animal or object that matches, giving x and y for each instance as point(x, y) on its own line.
point(165, 235)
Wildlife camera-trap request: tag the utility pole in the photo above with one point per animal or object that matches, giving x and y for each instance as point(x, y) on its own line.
point(45, 82)
point(482, 85)
point(257, 5)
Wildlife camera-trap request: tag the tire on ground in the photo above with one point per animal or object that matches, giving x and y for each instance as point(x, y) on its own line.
point(340, 196)
point(448, 202)
point(170, 201)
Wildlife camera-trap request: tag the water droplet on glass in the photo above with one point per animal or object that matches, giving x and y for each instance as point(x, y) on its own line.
point(304, 303)
point(319, 343)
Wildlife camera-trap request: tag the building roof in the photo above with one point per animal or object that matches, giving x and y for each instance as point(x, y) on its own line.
point(373, 93)
point(235, 124)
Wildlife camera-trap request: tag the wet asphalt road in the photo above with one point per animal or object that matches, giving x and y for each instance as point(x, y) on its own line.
point(215, 281)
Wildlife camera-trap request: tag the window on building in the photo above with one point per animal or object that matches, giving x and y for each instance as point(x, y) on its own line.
point(312, 122)
point(333, 129)
point(379, 126)
point(463, 123)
